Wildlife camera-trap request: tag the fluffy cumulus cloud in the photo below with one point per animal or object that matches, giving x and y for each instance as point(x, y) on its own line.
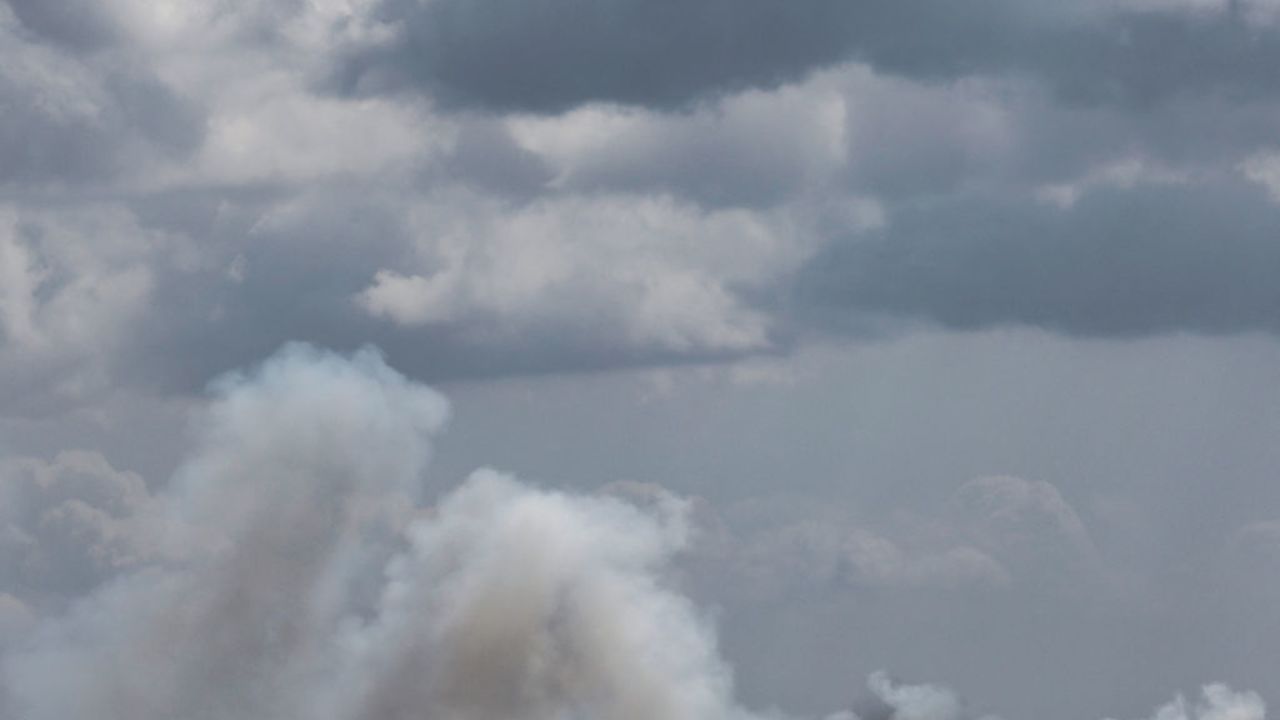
point(655, 273)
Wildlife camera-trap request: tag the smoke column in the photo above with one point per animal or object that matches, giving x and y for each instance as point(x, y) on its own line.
point(301, 576)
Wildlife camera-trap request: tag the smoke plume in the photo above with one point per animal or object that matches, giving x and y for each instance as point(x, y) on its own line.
point(293, 569)
point(302, 576)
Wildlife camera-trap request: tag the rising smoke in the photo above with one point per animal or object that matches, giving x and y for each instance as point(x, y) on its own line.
point(293, 569)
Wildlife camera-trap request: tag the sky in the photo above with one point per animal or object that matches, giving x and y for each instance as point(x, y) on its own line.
point(639, 359)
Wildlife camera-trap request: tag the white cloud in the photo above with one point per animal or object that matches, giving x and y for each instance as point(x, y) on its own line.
point(915, 702)
point(73, 282)
point(645, 273)
point(746, 148)
point(1218, 702)
point(275, 131)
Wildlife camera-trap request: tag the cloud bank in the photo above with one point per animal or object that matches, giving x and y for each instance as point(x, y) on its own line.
point(487, 190)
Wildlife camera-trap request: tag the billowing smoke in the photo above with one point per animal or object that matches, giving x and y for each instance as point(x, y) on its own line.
point(302, 576)
point(293, 569)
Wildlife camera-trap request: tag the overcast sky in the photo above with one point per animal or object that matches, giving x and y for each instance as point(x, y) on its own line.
point(639, 359)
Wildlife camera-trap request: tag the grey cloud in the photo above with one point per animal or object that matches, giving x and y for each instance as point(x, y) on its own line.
point(343, 260)
point(108, 130)
point(335, 267)
point(486, 157)
point(68, 525)
point(750, 150)
point(187, 283)
point(1150, 57)
point(90, 28)
point(914, 141)
point(1118, 262)
point(79, 24)
point(273, 266)
point(551, 55)
point(825, 555)
point(72, 120)
point(1031, 529)
point(997, 535)
point(66, 304)
point(853, 130)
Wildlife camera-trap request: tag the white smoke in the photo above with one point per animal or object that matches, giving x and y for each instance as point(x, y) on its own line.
point(303, 578)
point(292, 570)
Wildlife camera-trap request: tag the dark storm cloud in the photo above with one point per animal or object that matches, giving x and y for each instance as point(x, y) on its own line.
point(549, 55)
point(1149, 259)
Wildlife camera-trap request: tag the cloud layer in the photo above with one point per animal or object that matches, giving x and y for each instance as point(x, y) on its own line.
point(503, 192)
